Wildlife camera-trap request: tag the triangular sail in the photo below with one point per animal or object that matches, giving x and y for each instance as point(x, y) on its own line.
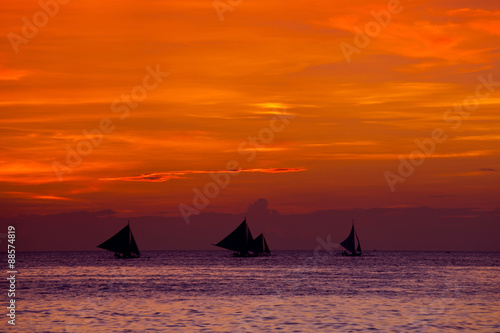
point(133, 245)
point(259, 245)
point(266, 248)
point(239, 240)
point(348, 243)
point(118, 243)
point(358, 249)
point(122, 242)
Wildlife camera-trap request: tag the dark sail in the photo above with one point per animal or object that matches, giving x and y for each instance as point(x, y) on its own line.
point(266, 248)
point(119, 242)
point(348, 243)
point(259, 245)
point(358, 249)
point(123, 242)
point(239, 240)
point(133, 245)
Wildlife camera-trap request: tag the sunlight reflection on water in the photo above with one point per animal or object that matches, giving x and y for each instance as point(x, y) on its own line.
point(210, 292)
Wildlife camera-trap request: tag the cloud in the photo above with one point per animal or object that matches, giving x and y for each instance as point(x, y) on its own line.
point(469, 12)
point(29, 195)
point(478, 172)
point(13, 75)
point(461, 216)
point(272, 106)
point(342, 143)
point(49, 197)
point(259, 208)
point(393, 156)
point(276, 56)
point(490, 137)
point(158, 177)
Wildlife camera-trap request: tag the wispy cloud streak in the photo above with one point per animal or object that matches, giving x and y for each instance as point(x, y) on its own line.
point(158, 177)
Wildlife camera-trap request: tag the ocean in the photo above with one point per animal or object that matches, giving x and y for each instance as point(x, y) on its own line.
point(290, 291)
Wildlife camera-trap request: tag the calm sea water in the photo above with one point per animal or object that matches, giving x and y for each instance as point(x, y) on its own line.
point(291, 291)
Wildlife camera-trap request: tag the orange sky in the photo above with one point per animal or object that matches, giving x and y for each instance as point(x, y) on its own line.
point(346, 123)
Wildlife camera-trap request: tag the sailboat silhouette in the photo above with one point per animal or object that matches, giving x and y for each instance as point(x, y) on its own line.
point(350, 244)
point(122, 244)
point(242, 243)
point(259, 245)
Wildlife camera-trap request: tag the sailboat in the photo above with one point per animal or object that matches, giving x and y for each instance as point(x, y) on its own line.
point(122, 244)
point(350, 242)
point(242, 243)
point(259, 246)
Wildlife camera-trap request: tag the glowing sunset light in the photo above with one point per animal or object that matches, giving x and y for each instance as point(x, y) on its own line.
point(108, 105)
point(250, 165)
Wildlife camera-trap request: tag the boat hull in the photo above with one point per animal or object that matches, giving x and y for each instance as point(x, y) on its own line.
point(345, 254)
point(248, 255)
point(125, 256)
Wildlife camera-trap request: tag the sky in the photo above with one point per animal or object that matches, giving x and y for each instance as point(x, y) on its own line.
point(138, 107)
point(380, 229)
